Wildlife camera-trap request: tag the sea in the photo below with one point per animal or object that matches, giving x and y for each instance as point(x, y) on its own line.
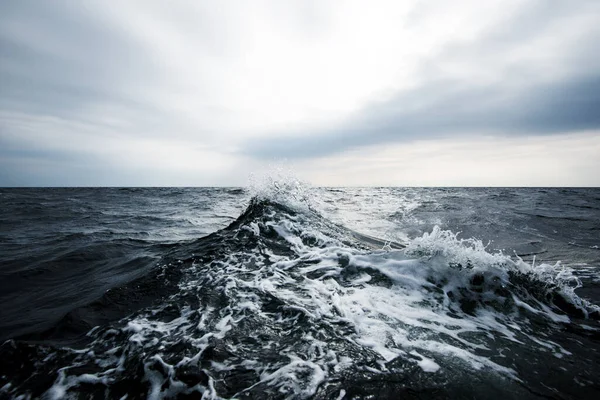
point(282, 290)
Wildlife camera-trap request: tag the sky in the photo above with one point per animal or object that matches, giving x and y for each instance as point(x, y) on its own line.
point(344, 93)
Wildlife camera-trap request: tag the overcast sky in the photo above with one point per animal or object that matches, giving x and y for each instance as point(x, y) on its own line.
point(202, 93)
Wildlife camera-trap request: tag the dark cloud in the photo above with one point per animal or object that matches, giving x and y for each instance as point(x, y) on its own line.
point(446, 108)
point(59, 59)
point(523, 102)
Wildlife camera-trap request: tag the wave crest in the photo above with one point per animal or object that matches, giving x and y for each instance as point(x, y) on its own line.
point(281, 186)
point(551, 284)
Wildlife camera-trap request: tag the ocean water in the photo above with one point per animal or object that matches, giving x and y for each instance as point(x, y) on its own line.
point(287, 291)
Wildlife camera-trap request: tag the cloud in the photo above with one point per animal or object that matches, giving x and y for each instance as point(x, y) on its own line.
point(214, 88)
point(533, 72)
point(51, 151)
point(559, 160)
point(446, 108)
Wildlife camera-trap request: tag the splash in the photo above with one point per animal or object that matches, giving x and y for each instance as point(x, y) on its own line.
point(280, 184)
point(546, 283)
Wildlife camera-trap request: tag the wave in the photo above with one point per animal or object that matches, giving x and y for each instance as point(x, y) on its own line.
point(285, 303)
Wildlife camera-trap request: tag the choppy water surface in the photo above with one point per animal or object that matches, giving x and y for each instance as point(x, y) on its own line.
point(294, 292)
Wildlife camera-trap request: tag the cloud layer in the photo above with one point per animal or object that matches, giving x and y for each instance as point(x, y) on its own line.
point(199, 93)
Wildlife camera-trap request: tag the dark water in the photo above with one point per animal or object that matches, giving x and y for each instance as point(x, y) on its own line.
point(290, 292)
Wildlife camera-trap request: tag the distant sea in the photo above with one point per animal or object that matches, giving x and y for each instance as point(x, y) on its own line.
point(289, 291)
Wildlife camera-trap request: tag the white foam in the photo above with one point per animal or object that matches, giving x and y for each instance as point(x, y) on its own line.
point(426, 364)
point(391, 304)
